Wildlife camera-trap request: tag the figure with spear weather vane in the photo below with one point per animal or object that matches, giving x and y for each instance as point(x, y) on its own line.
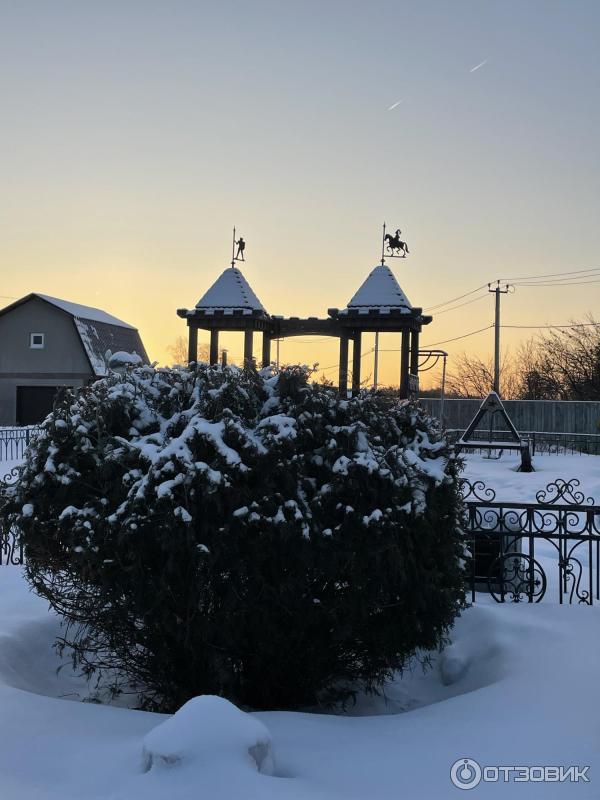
point(241, 246)
point(237, 255)
point(393, 246)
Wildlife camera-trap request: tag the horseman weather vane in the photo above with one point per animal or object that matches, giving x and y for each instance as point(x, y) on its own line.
point(237, 255)
point(393, 246)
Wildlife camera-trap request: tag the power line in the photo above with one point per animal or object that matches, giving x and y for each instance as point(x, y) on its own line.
point(456, 338)
point(549, 327)
point(335, 366)
point(460, 305)
point(550, 274)
point(559, 283)
point(591, 272)
point(445, 341)
point(454, 299)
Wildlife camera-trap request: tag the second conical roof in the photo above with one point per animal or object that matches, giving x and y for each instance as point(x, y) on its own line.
point(380, 290)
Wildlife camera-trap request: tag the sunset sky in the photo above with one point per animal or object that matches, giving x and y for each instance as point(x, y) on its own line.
point(136, 134)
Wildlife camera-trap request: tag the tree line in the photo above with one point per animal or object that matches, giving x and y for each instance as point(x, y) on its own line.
point(556, 364)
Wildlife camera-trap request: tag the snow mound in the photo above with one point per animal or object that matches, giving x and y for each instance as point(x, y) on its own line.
point(209, 729)
point(121, 360)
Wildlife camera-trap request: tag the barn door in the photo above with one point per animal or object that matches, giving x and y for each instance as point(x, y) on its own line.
point(34, 403)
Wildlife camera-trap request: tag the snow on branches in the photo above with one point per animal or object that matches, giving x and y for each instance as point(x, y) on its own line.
point(229, 493)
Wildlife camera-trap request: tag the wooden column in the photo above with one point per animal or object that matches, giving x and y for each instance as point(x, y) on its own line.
point(414, 353)
point(192, 344)
point(248, 336)
point(343, 376)
point(266, 349)
point(356, 364)
point(404, 358)
point(214, 347)
point(223, 358)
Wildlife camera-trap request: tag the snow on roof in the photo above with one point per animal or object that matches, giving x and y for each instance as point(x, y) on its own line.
point(84, 312)
point(380, 290)
point(230, 291)
point(98, 338)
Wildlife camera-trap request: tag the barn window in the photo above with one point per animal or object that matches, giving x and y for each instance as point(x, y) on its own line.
point(36, 341)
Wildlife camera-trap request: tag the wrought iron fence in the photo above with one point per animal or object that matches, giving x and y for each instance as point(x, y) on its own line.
point(507, 541)
point(14, 442)
point(11, 547)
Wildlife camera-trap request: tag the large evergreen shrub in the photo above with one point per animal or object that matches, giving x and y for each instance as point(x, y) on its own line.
point(240, 533)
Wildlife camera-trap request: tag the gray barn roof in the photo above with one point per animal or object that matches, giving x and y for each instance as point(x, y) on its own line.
point(97, 331)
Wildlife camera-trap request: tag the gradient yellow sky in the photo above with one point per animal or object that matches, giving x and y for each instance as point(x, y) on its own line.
point(136, 134)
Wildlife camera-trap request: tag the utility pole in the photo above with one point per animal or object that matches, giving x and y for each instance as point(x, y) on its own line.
point(443, 389)
point(497, 291)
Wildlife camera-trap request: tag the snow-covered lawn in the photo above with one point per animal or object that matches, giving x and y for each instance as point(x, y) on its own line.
point(517, 686)
point(509, 484)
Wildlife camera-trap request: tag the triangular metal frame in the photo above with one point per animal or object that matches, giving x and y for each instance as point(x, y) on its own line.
point(491, 405)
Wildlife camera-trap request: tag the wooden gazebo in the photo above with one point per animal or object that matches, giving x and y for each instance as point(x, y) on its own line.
point(379, 306)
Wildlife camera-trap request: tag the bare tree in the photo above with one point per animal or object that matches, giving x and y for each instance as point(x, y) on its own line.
point(563, 364)
point(471, 376)
point(558, 364)
point(179, 351)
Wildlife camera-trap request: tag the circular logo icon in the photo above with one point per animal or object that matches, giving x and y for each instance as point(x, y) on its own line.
point(465, 773)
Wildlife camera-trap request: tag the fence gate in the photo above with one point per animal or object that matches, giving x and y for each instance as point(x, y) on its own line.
point(509, 541)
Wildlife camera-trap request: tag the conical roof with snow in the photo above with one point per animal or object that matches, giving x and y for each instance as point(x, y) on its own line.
point(231, 291)
point(380, 291)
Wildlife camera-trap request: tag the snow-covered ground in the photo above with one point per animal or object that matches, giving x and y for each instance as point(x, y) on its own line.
point(517, 686)
point(509, 484)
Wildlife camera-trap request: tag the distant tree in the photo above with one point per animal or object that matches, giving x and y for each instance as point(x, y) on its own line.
point(558, 364)
point(563, 364)
point(179, 351)
point(472, 376)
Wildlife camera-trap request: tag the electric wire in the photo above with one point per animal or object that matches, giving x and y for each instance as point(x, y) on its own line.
point(444, 341)
point(550, 274)
point(467, 303)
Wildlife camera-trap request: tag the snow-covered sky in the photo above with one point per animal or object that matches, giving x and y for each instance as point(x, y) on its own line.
point(137, 133)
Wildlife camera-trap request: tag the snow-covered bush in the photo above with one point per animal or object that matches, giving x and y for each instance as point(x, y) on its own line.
point(241, 533)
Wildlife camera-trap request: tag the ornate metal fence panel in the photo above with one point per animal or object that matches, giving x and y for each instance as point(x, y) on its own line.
point(11, 547)
point(14, 442)
point(507, 543)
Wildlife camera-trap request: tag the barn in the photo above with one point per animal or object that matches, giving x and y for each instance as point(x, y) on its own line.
point(47, 343)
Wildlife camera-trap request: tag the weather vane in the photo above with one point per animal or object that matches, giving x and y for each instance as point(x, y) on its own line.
point(393, 246)
point(237, 255)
